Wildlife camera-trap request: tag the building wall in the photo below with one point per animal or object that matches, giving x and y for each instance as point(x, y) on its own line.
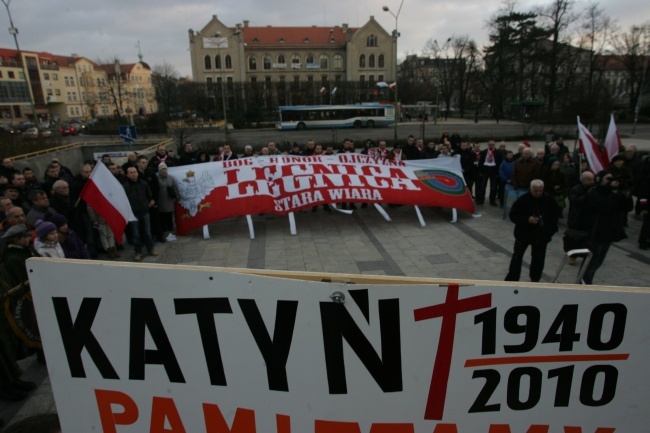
point(232, 43)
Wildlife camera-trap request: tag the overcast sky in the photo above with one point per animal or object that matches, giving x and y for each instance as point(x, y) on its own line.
point(105, 29)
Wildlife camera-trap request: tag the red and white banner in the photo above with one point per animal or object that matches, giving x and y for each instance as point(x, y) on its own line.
point(589, 147)
point(612, 140)
point(283, 184)
point(104, 193)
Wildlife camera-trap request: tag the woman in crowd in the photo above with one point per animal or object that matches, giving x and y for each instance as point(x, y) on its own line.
point(168, 193)
point(73, 246)
point(47, 242)
point(555, 183)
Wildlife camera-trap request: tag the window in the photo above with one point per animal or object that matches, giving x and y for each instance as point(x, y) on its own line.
point(267, 62)
point(76, 111)
point(57, 92)
point(49, 92)
point(296, 80)
point(208, 62)
point(10, 74)
point(371, 61)
point(71, 111)
point(267, 82)
point(281, 59)
point(380, 78)
point(338, 61)
point(208, 82)
point(252, 63)
point(371, 80)
point(362, 79)
point(309, 58)
point(362, 61)
point(310, 79)
point(229, 82)
point(46, 76)
point(381, 61)
point(74, 96)
point(83, 96)
point(228, 62)
point(71, 81)
point(55, 77)
point(69, 96)
point(323, 61)
point(253, 80)
point(217, 61)
point(67, 81)
point(371, 41)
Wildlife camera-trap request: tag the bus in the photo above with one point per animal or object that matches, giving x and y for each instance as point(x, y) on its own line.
point(335, 116)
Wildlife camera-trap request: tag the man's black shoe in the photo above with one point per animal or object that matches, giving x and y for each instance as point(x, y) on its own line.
point(161, 240)
point(364, 205)
point(24, 385)
point(353, 206)
point(10, 393)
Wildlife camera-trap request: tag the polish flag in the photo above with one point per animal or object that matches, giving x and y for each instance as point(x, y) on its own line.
point(392, 86)
point(104, 193)
point(322, 90)
point(589, 147)
point(612, 140)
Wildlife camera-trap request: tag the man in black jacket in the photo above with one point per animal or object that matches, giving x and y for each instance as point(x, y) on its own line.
point(535, 216)
point(141, 199)
point(488, 166)
point(605, 210)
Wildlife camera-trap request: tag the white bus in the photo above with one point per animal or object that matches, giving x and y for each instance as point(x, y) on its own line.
point(335, 116)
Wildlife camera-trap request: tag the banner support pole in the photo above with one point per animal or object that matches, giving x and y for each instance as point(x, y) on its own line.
point(206, 232)
point(382, 211)
point(417, 211)
point(292, 224)
point(251, 230)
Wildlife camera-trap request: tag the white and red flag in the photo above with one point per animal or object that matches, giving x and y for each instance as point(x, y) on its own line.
point(393, 85)
point(612, 140)
point(104, 193)
point(322, 90)
point(589, 147)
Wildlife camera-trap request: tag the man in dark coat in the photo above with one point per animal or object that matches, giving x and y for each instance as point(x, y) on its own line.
point(488, 165)
point(605, 211)
point(140, 199)
point(535, 216)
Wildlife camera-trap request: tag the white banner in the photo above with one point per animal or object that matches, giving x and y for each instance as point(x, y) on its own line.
point(146, 348)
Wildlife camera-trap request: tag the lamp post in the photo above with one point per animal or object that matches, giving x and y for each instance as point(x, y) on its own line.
point(396, 34)
point(223, 94)
point(14, 32)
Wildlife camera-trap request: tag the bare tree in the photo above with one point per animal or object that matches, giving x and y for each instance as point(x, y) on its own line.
point(556, 18)
point(632, 51)
point(165, 78)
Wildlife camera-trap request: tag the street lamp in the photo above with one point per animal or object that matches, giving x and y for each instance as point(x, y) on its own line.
point(223, 94)
point(14, 32)
point(396, 34)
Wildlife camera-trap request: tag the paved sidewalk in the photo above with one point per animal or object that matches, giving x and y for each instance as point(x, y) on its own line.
point(364, 243)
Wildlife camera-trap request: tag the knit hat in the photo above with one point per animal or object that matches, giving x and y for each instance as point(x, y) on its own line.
point(618, 157)
point(17, 230)
point(551, 160)
point(161, 166)
point(44, 228)
point(57, 219)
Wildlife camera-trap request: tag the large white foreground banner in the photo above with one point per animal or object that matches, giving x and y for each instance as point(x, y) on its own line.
point(150, 348)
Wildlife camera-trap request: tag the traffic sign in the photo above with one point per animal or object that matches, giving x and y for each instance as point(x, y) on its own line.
point(127, 133)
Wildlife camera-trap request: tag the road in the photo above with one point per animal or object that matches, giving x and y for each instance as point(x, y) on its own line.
point(504, 130)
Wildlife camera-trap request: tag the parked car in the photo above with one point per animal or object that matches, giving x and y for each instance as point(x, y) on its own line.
point(67, 130)
point(6, 128)
point(34, 133)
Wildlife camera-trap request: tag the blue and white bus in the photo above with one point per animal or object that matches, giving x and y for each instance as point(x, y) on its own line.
point(335, 116)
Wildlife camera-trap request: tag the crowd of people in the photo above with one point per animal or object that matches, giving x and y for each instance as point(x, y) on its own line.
point(49, 218)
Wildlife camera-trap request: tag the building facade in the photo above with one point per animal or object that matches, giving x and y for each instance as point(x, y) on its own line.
point(71, 87)
point(292, 55)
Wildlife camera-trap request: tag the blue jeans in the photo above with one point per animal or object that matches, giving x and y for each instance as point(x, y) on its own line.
point(141, 231)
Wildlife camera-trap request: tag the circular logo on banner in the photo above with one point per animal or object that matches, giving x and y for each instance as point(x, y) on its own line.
point(442, 181)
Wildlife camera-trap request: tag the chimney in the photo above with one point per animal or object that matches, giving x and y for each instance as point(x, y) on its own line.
point(344, 27)
point(238, 26)
point(246, 23)
point(75, 55)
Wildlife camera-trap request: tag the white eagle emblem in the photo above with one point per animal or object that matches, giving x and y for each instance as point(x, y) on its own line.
point(193, 191)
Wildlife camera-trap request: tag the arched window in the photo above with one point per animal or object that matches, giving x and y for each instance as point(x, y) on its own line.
point(267, 62)
point(362, 61)
point(228, 61)
point(323, 61)
point(371, 61)
point(371, 41)
point(252, 63)
point(208, 62)
point(217, 61)
point(338, 61)
point(208, 81)
point(309, 58)
point(281, 59)
point(295, 59)
point(381, 61)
